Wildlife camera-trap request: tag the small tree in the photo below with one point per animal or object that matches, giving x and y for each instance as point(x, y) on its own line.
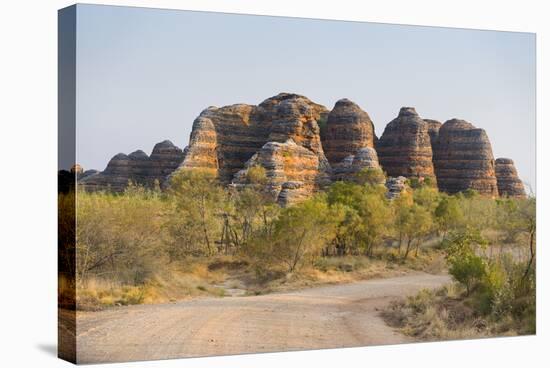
point(197, 201)
point(427, 197)
point(256, 175)
point(367, 216)
point(448, 215)
point(302, 231)
point(370, 176)
point(419, 224)
point(401, 213)
point(519, 222)
point(465, 265)
point(375, 220)
point(250, 211)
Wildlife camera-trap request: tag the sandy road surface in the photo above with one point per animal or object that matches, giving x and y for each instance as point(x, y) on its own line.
point(322, 317)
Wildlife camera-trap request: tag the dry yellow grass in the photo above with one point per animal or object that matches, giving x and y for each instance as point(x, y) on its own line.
point(171, 284)
point(445, 314)
point(200, 277)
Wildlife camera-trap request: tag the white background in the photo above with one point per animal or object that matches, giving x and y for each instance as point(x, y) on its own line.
point(28, 148)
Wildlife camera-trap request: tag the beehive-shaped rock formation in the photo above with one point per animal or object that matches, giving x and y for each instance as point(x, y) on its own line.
point(304, 147)
point(463, 159)
point(404, 149)
point(136, 167)
point(224, 139)
point(349, 167)
point(348, 129)
point(508, 182)
point(293, 172)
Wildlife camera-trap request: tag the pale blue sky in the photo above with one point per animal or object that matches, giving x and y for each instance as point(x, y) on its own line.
point(143, 75)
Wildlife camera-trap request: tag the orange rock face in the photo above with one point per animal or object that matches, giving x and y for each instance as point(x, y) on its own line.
point(293, 117)
point(347, 130)
point(224, 139)
point(303, 147)
point(404, 149)
point(293, 172)
point(463, 159)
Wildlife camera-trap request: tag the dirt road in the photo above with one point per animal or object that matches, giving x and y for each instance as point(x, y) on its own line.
point(323, 317)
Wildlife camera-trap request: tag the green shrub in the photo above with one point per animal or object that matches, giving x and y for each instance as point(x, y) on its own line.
point(468, 269)
point(465, 265)
point(256, 175)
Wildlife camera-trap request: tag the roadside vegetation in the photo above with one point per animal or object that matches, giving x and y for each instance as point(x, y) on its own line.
point(198, 238)
point(494, 293)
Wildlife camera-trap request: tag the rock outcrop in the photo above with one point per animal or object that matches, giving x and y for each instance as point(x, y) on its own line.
point(293, 117)
point(350, 166)
point(463, 159)
point(404, 149)
point(303, 147)
point(394, 186)
point(164, 159)
point(508, 182)
point(228, 139)
point(137, 167)
point(87, 173)
point(433, 130)
point(348, 129)
point(224, 139)
point(293, 172)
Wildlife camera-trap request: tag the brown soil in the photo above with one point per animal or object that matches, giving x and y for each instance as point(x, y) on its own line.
point(336, 316)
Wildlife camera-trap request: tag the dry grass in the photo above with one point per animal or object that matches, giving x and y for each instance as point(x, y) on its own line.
point(219, 276)
point(338, 270)
point(429, 259)
point(445, 314)
point(173, 283)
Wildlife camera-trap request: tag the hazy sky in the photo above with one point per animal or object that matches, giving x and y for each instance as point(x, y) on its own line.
point(143, 75)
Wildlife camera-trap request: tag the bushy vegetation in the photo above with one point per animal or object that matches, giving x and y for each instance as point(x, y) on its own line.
point(493, 295)
point(131, 240)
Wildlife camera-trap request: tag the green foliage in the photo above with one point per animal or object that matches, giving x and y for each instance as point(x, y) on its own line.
point(498, 287)
point(118, 234)
point(413, 183)
point(478, 212)
point(448, 214)
point(470, 193)
point(128, 237)
point(250, 212)
point(322, 122)
point(465, 265)
point(421, 182)
point(196, 202)
point(256, 175)
point(367, 217)
point(497, 294)
point(370, 176)
point(427, 197)
point(413, 220)
point(299, 233)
